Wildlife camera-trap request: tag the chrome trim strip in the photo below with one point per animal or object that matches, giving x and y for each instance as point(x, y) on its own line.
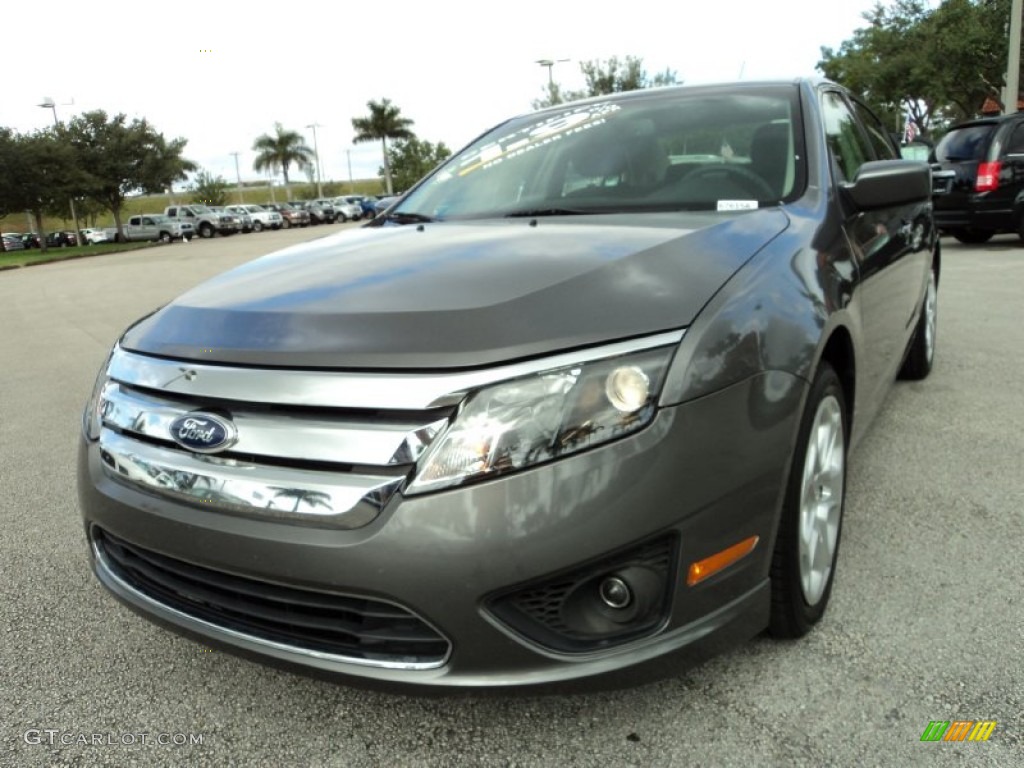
point(301, 437)
point(327, 500)
point(110, 577)
point(341, 389)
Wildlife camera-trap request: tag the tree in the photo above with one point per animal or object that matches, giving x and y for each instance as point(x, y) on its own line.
point(384, 122)
point(209, 189)
point(608, 76)
point(280, 151)
point(930, 64)
point(118, 158)
point(412, 159)
point(39, 173)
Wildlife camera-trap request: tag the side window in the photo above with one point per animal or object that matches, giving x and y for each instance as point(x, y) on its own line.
point(172, 211)
point(1016, 143)
point(879, 139)
point(846, 144)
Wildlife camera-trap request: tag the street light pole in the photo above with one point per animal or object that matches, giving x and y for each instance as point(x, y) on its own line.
point(49, 103)
point(316, 156)
point(1013, 60)
point(238, 175)
point(351, 184)
point(550, 64)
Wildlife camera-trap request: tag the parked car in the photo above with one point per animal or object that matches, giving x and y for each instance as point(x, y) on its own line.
point(592, 406)
point(262, 218)
point(383, 204)
point(12, 241)
point(317, 214)
point(61, 240)
point(978, 178)
point(29, 239)
point(368, 204)
point(93, 236)
point(205, 221)
point(245, 220)
point(328, 207)
point(346, 210)
point(290, 215)
point(152, 227)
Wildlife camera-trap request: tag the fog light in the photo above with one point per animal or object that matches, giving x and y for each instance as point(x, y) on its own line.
point(627, 388)
point(615, 593)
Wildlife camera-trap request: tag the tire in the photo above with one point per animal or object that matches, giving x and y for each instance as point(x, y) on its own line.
point(342, 218)
point(165, 237)
point(257, 226)
point(921, 353)
point(206, 230)
point(286, 224)
point(807, 545)
point(972, 236)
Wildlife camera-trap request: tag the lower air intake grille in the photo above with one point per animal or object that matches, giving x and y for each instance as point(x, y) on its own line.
point(359, 629)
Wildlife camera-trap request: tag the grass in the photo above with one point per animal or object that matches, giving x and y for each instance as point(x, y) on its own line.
point(36, 256)
point(156, 203)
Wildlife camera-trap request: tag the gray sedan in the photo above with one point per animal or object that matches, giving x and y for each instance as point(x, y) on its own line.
point(581, 400)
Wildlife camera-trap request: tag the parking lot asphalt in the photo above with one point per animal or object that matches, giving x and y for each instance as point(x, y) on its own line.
point(925, 623)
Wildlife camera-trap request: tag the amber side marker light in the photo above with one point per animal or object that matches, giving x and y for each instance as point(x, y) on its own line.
point(709, 566)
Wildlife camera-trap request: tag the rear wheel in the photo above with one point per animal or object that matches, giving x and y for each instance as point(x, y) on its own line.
point(804, 561)
point(972, 236)
point(918, 363)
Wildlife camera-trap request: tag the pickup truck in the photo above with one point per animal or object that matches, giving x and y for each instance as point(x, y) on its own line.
point(262, 218)
point(153, 227)
point(206, 222)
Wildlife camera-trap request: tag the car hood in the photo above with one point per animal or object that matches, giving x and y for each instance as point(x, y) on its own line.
point(459, 294)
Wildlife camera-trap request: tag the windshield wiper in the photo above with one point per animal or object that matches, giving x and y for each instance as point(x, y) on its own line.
point(404, 217)
point(547, 212)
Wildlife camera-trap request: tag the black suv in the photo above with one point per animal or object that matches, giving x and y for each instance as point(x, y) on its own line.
point(978, 178)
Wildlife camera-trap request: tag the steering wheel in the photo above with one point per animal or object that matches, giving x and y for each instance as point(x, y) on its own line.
point(743, 177)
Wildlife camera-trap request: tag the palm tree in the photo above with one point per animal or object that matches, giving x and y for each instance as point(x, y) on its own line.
point(280, 151)
point(384, 122)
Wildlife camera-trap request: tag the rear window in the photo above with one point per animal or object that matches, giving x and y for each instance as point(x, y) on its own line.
point(967, 143)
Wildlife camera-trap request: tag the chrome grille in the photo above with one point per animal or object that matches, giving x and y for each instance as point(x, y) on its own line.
point(307, 462)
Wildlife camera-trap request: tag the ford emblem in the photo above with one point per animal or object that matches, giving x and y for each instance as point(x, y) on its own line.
point(203, 432)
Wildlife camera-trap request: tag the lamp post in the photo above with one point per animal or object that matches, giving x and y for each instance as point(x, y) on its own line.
point(316, 157)
point(49, 103)
point(1013, 60)
point(351, 183)
point(238, 175)
point(550, 64)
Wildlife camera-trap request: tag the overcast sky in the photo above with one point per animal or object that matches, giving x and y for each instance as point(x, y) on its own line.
point(220, 73)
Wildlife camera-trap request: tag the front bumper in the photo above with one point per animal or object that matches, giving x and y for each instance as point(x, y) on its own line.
point(703, 475)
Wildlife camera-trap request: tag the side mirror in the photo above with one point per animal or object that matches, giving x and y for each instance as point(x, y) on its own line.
point(883, 183)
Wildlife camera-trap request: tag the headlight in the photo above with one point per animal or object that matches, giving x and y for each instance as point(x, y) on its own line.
point(92, 419)
point(528, 421)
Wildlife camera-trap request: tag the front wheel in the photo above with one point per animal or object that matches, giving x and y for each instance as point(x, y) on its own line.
point(165, 237)
point(257, 226)
point(206, 230)
point(286, 224)
point(804, 561)
point(921, 354)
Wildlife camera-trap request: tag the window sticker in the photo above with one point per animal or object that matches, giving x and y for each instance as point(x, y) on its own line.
point(737, 205)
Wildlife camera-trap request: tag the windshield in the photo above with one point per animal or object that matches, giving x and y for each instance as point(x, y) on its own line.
point(201, 209)
point(694, 149)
